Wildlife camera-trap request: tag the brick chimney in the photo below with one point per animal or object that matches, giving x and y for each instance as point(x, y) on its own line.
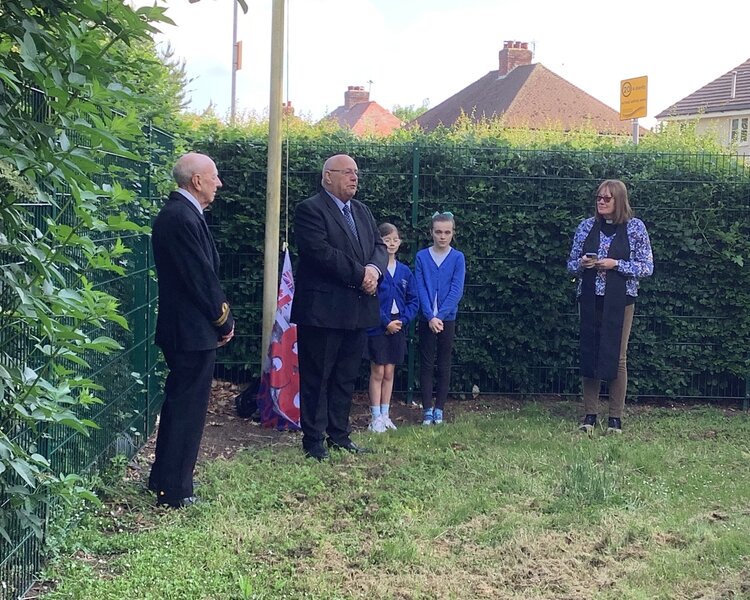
point(356, 94)
point(514, 54)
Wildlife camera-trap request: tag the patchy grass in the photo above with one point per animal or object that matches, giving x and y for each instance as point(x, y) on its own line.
point(512, 504)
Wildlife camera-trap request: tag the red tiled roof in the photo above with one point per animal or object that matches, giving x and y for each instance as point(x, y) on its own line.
point(529, 96)
point(366, 118)
point(716, 97)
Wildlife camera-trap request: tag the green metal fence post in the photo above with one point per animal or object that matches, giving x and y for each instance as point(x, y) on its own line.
point(415, 222)
point(139, 324)
point(150, 356)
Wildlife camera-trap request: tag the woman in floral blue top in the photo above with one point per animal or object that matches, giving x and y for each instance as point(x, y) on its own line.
point(611, 252)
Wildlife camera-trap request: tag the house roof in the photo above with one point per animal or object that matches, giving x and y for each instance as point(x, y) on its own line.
point(366, 118)
point(529, 96)
point(716, 97)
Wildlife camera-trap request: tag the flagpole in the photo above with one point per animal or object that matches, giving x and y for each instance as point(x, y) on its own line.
point(235, 60)
point(273, 189)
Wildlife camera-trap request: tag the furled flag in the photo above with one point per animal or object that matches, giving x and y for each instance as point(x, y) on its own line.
point(278, 395)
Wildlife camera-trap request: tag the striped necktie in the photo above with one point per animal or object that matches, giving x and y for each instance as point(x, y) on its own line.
point(349, 220)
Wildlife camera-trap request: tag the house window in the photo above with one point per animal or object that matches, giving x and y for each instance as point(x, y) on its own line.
point(739, 130)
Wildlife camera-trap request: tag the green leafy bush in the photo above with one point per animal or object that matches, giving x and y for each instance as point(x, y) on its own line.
point(68, 183)
point(518, 197)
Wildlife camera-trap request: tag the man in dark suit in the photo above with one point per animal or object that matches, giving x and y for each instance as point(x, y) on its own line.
point(193, 321)
point(341, 259)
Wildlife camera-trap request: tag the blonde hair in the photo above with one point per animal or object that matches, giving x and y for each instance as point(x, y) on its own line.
point(623, 213)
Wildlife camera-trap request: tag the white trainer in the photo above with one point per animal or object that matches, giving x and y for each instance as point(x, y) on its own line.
point(377, 425)
point(387, 422)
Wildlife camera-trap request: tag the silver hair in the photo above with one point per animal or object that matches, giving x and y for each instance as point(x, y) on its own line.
point(327, 166)
point(186, 166)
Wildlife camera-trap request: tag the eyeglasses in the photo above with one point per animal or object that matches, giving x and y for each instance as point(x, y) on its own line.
point(347, 172)
point(605, 199)
point(447, 213)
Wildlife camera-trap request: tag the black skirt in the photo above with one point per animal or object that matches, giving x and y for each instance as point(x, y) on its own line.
point(387, 349)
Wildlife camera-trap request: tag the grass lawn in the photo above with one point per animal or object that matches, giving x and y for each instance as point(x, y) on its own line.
point(510, 504)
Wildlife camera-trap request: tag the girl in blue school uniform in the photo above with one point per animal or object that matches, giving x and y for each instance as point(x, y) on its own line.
point(386, 344)
point(440, 274)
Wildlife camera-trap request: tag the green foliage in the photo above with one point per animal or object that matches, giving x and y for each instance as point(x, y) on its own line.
point(410, 112)
point(518, 198)
point(501, 503)
point(681, 136)
point(157, 81)
point(67, 187)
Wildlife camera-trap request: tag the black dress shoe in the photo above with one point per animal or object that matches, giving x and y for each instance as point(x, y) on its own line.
point(318, 452)
point(178, 502)
point(347, 445)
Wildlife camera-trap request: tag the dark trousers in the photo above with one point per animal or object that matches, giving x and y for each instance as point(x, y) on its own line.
point(181, 421)
point(329, 361)
point(435, 350)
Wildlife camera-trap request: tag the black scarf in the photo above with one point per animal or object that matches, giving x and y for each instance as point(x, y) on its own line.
point(601, 333)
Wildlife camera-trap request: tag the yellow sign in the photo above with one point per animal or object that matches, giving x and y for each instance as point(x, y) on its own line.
point(633, 98)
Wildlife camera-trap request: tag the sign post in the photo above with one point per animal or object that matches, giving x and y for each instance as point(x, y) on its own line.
point(634, 101)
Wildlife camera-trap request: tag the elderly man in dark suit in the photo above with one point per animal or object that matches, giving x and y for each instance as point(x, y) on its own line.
point(193, 321)
point(341, 259)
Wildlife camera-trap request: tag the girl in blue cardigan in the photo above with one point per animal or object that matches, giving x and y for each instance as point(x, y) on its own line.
point(440, 272)
point(386, 344)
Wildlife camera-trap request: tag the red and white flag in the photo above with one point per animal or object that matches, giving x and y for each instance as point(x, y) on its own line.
point(278, 396)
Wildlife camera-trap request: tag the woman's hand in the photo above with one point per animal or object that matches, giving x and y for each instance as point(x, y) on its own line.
point(588, 263)
point(606, 264)
point(393, 327)
point(436, 325)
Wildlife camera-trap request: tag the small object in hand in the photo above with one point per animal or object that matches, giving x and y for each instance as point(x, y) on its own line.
point(591, 255)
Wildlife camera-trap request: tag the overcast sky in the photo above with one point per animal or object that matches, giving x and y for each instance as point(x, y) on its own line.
point(413, 51)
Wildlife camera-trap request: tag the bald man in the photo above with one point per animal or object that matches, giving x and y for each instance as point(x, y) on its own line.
point(193, 321)
point(341, 258)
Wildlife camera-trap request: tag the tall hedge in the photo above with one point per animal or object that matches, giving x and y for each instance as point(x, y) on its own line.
point(516, 209)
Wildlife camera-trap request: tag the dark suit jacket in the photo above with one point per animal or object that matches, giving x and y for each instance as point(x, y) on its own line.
point(331, 265)
point(193, 311)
